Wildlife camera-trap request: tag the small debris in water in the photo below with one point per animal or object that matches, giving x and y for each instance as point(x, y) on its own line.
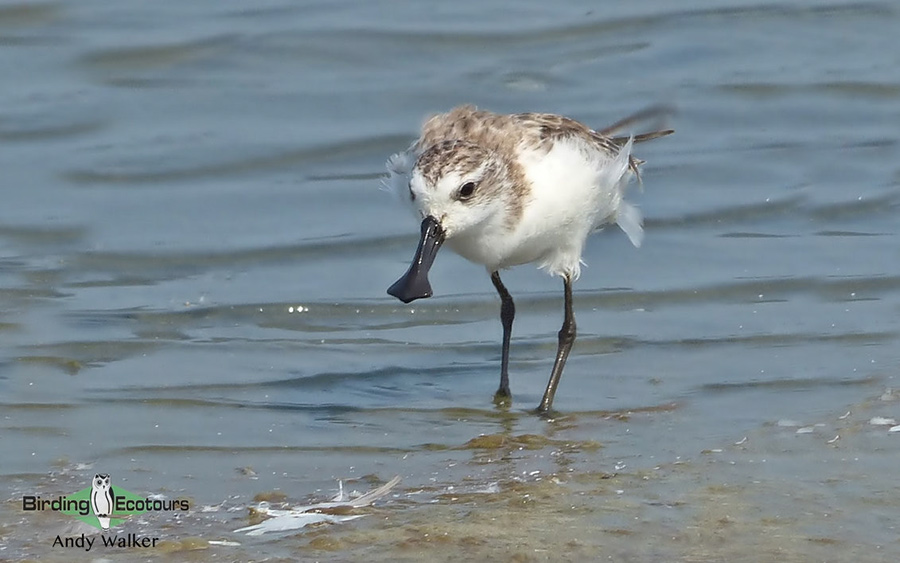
point(491, 488)
point(246, 471)
point(787, 423)
point(882, 421)
point(224, 543)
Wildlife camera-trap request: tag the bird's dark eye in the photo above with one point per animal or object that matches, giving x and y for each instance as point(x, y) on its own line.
point(466, 191)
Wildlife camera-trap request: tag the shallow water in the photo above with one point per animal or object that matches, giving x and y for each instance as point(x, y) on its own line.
point(194, 254)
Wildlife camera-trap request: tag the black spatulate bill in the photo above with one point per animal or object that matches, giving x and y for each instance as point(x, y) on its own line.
point(414, 283)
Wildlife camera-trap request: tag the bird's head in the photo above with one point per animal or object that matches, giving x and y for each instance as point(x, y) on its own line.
point(457, 188)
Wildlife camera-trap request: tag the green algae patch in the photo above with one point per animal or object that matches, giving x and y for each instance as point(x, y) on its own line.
point(526, 442)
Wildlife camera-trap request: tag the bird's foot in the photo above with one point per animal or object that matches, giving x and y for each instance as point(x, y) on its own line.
point(546, 413)
point(503, 398)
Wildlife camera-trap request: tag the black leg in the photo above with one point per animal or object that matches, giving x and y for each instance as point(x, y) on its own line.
point(566, 339)
point(507, 314)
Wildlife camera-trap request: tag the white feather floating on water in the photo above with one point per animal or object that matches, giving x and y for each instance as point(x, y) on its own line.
point(287, 521)
point(302, 516)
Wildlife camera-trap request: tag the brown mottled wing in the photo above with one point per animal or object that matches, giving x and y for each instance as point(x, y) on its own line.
point(551, 127)
point(546, 128)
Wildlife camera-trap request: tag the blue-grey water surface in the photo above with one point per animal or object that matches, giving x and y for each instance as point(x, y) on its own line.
point(194, 253)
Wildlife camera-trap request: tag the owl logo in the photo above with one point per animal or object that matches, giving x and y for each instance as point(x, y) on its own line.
point(102, 499)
